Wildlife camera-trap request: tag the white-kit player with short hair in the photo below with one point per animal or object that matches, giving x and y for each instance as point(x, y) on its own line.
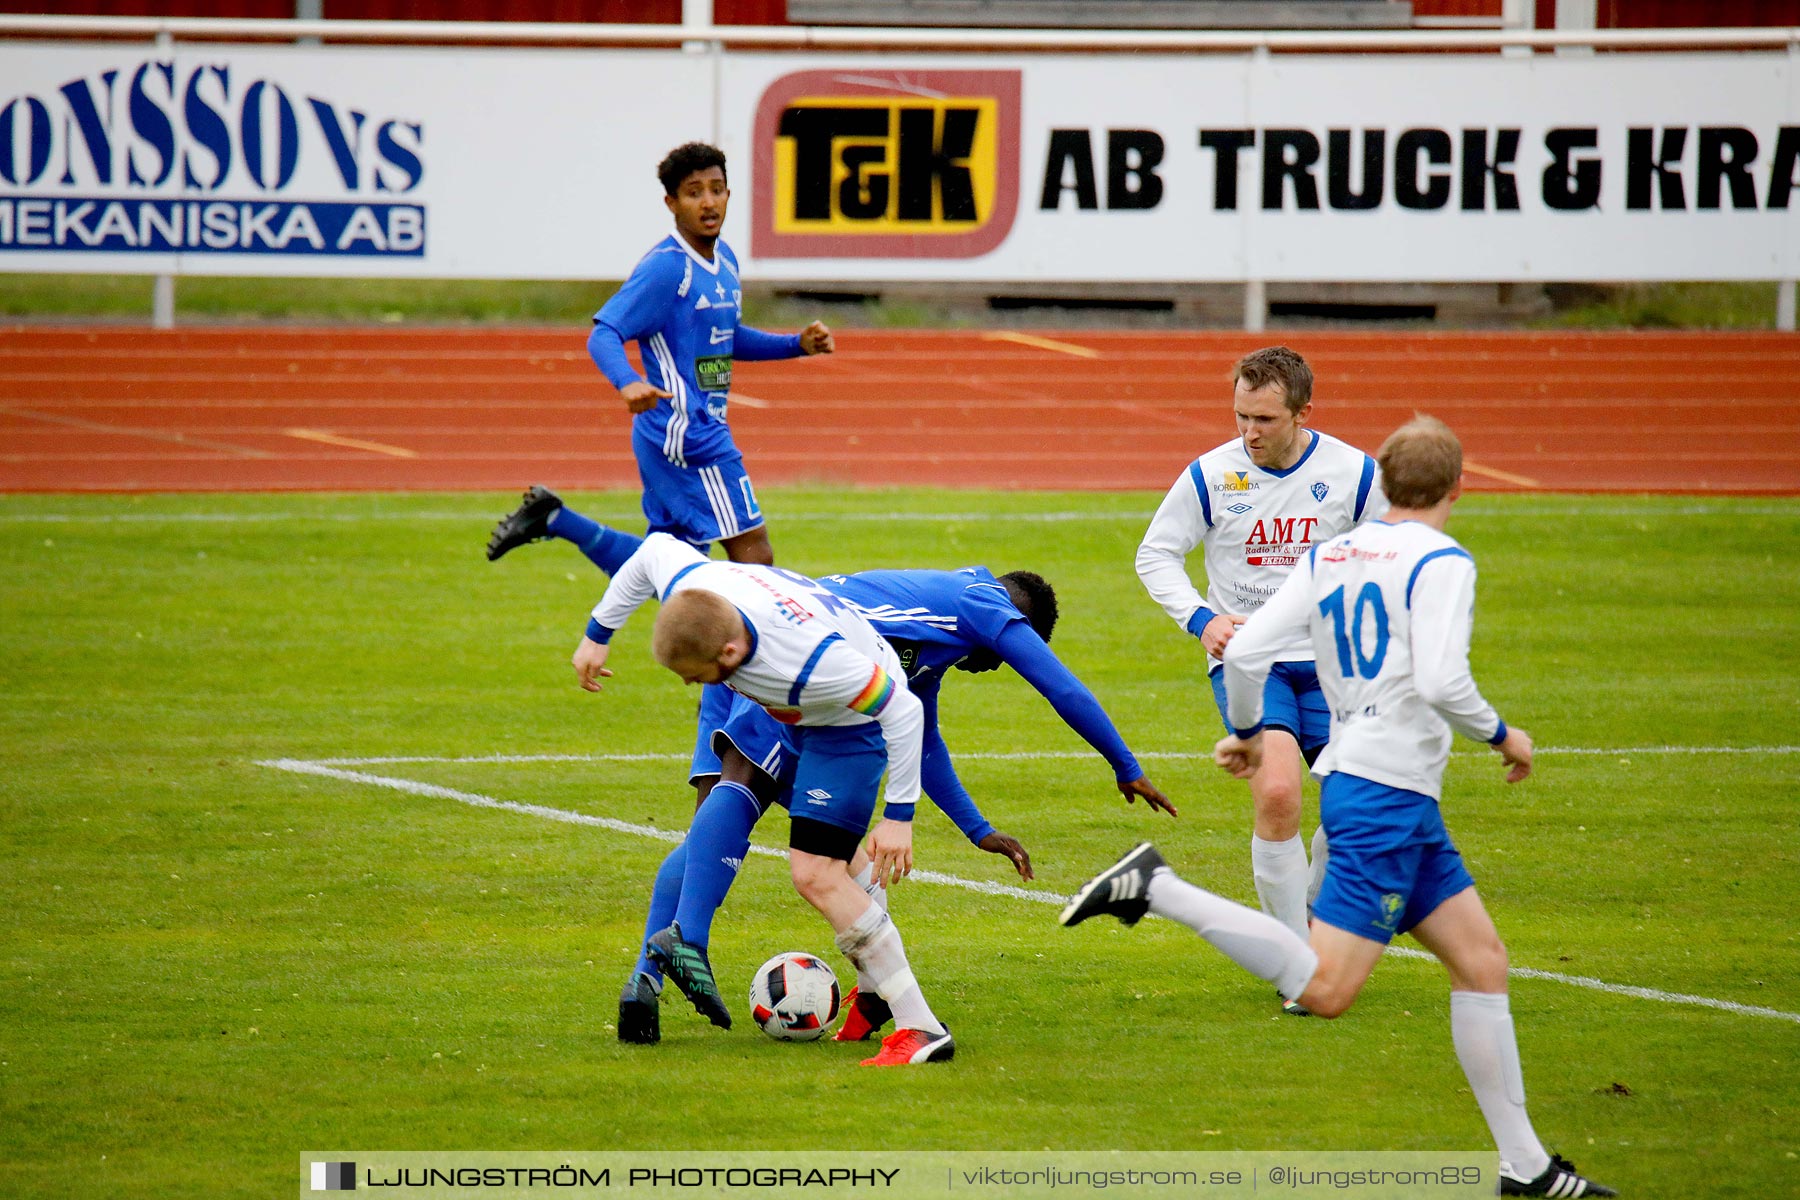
point(1257, 504)
point(1388, 607)
point(819, 667)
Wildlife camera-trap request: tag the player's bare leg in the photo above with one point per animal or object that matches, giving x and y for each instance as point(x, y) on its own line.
point(1277, 855)
point(1462, 935)
point(751, 546)
point(1345, 963)
point(870, 940)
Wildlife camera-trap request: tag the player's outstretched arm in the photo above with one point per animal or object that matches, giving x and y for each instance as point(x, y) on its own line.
point(1143, 787)
point(1001, 843)
point(1020, 648)
point(590, 664)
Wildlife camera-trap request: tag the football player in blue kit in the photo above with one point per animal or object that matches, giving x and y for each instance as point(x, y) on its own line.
point(682, 305)
point(936, 621)
point(807, 658)
point(1387, 609)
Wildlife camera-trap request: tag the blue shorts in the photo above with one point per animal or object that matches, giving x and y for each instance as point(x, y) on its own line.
point(699, 505)
point(744, 724)
point(1392, 862)
point(837, 773)
point(1293, 702)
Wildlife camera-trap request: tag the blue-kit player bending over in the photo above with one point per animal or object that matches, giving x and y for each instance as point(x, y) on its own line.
point(681, 305)
point(968, 620)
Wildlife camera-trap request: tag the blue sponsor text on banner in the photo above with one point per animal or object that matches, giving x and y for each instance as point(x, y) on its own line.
point(216, 226)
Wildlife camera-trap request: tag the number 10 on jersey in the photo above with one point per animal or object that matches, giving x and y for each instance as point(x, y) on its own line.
point(1350, 642)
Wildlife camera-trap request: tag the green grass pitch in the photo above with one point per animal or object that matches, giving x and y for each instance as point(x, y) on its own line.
point(206, 963)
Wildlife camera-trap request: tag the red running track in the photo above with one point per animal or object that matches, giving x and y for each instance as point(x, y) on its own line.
point(252, 409)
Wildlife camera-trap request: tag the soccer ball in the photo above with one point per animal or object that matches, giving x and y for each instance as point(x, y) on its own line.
point(794, 997)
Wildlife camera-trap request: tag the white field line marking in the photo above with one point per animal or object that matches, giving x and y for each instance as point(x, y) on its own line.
point(1010, 755)
point(749, 401)
point(629, 519)
point(414, 787)
point(303, 767)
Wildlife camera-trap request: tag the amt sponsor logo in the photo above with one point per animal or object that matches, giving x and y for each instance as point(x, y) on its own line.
point(148, 159)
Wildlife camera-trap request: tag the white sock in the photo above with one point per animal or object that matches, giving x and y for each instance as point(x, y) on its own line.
point(865, 879)
point(1280, 872)
point(873, 943)
point(1482, 1028)
point(1321, 854)
point(1260, 944)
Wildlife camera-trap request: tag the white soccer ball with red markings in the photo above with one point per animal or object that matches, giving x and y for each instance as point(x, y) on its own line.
point(794, 997)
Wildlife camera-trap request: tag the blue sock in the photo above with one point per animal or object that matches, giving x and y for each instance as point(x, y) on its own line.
point(663, 898)
point(716, 844)
point(606, 548)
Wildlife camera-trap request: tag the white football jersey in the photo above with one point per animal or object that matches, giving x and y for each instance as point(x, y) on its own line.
point(1388, 609)
point(813, 659)
point(1256, 524)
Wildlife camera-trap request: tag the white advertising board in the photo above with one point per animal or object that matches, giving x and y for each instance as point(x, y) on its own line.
point(492, 163)
point(338, 161)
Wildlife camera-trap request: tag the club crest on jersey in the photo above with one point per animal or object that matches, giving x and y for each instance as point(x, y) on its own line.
point(1320, 490)
point(1391, 906)
point(886, 164)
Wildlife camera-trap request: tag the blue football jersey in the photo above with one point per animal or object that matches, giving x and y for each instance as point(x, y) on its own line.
point(933, 619)
point(682, 310)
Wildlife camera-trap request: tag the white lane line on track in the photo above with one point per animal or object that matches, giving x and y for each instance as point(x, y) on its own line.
point(175, 436)
point(474, 799)
point(337, 439)
point(1042, 343)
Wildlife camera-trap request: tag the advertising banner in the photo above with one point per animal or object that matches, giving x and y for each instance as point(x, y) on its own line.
point(338, 161)
point(862, 169)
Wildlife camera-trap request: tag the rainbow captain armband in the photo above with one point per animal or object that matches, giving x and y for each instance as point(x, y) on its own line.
point(875, 695)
